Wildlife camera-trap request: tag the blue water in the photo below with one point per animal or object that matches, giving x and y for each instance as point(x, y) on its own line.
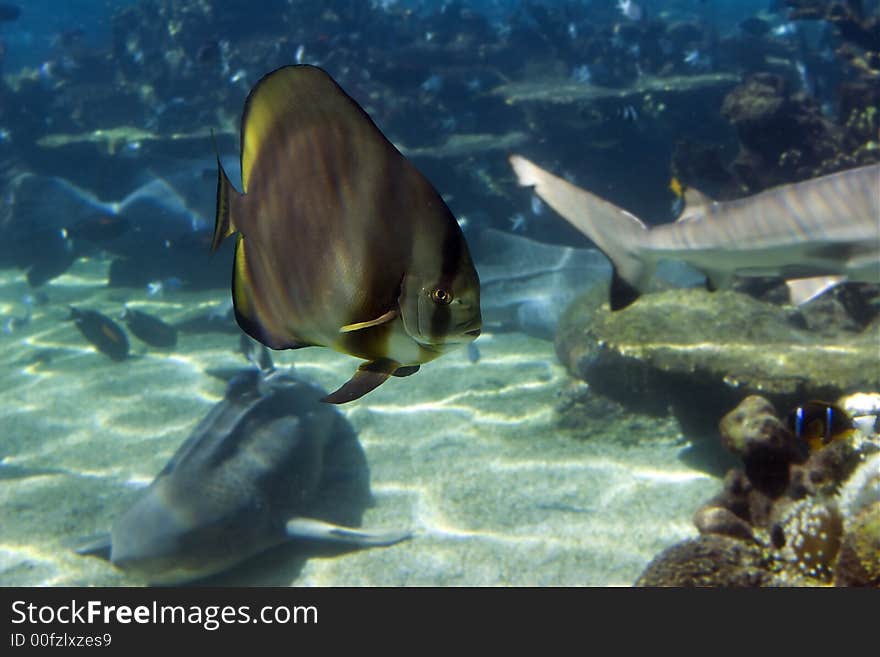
point(112, 116)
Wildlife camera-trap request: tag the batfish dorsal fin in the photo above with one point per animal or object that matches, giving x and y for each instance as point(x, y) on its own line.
point(368, 376)
point(319, 100)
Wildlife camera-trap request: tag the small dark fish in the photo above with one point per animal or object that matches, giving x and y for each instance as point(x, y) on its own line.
point(819, 423)
point(150, 329)
point(9, 12)
point(99, 227)
point(360, 253)
point(107, 336)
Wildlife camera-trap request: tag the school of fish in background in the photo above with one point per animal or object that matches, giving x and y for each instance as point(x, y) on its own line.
point(377, 204)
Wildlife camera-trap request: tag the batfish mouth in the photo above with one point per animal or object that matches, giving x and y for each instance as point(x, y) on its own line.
point(475, 332)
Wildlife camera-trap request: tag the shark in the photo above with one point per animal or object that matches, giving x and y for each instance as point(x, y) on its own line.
point(815, 234)
point(526, 285)
point(269, 464)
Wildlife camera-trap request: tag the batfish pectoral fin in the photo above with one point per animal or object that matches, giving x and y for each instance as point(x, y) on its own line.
point(381, 319)
point(407, 370)
point(368, 377)
point(309, 528)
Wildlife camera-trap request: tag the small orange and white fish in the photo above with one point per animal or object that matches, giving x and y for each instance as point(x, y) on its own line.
point(819, 423)
point(342, 242)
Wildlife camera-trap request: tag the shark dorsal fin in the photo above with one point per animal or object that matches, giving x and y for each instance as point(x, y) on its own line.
point(695, 204)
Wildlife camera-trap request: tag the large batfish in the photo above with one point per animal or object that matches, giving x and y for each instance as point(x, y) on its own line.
point(342, 243)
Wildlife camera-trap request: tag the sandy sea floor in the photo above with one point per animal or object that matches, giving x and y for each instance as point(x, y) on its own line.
point(468, 456)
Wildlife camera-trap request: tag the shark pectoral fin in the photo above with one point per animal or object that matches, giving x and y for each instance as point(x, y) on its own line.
point(98, 545)
point(407, 370)
point(309, 528)
point(802, 290)
point(381, 319)
point(368, 377)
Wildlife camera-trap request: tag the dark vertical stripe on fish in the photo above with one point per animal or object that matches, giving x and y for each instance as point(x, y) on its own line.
point(450, 264)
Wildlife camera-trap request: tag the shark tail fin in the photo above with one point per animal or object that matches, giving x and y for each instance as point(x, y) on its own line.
point(619, 234)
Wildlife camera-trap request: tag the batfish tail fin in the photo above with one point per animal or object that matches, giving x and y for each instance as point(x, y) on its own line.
point(619, 234)
point(227, 197)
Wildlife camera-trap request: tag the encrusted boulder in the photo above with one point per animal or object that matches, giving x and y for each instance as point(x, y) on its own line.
point(701, 353)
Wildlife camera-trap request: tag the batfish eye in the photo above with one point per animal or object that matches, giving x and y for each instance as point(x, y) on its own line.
point(441, 296)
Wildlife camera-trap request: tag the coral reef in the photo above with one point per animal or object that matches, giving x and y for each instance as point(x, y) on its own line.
point(784, 132)
point(789, 517)
point(709, 560)
point(783, 135)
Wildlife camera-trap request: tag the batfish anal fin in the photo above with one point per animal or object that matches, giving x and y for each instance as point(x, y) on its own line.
point(309, 528)
point(381, 319)
point(368, 376)
point(802, 290)
point(407, 370)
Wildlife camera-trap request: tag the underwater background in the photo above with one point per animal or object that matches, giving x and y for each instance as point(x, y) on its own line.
point(567, 445)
